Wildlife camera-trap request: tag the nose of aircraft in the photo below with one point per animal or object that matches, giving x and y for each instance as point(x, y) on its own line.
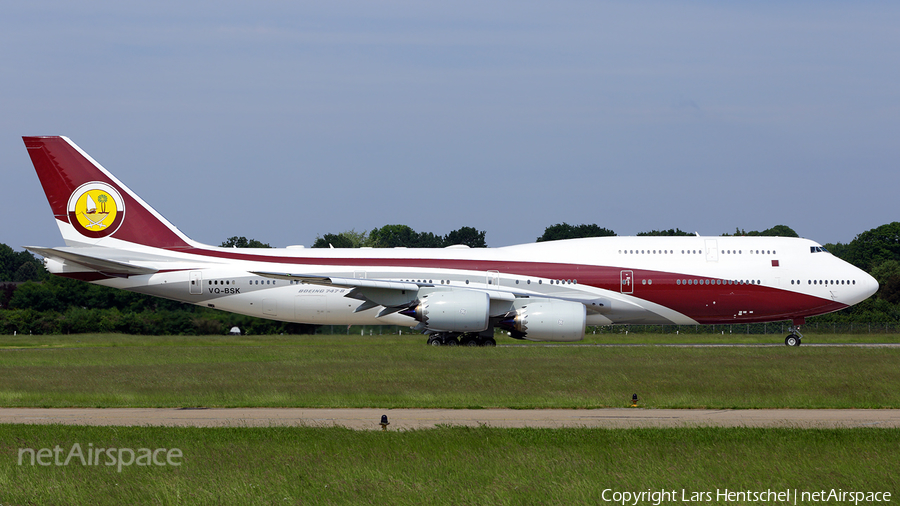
point(865, 288)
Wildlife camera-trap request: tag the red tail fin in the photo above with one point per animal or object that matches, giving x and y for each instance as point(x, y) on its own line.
point(90, 204)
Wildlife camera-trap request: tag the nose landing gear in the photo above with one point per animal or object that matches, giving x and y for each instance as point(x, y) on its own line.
point(793, 339)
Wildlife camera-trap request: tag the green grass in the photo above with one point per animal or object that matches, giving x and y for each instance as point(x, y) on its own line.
point(402, 372)
point(444, 466)
point(613, 335)
point(447, 465)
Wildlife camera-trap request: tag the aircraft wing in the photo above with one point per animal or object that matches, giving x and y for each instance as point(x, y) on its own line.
point(394, 296)
point(372, 283)
point(105, 266)
point(343, 282)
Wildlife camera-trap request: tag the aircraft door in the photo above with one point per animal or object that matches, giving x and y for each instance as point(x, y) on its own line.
point(493, 279)
point(196, 282)
point(712, 251)
point(627, 281)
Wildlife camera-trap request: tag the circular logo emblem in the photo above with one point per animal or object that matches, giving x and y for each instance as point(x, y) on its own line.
point(96, 209)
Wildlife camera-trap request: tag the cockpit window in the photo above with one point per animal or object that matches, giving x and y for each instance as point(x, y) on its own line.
point(817, 249)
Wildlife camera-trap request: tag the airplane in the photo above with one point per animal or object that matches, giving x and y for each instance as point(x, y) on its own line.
point(546, 291)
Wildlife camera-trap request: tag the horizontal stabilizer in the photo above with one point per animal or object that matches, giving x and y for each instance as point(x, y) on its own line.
point(102, 265)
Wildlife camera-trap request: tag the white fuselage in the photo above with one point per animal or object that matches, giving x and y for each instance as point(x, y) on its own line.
point(639, 278)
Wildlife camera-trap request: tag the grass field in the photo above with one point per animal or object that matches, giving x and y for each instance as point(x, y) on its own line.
point(401, 371)
point(445, 465)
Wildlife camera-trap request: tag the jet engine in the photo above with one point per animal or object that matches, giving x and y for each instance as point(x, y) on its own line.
point(54, 266)
point(453, 311)
point(547, 321)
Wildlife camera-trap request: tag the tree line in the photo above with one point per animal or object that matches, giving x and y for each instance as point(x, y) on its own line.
point(401, 236)
point(33, 301)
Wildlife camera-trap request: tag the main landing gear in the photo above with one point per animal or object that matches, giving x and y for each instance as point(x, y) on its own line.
point(793, 339)
point(454, 339)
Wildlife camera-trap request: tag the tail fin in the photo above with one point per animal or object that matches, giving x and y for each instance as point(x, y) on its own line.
point(91, 206)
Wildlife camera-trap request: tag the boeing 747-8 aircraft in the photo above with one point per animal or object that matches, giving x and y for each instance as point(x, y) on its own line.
point(545, 291)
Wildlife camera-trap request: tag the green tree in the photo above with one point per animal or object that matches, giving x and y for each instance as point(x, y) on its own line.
point(776, 231)
point(333, 241)
point(346, 239)
point(872, 247)
point(888, 275)
point(666, 233)
point(37, 297)
point(394, 236)
point(466, 235)
point(566, 231)
point(6, 293)
point(779, 231)
point(429, 240)
point(243, 242)
point(839, 250)
point(403, 236)
point(27, 271)
point(20, 266)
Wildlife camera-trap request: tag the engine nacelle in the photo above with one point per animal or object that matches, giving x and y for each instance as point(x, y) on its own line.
point(55, 266)
point(453, 311)
point(548, 321)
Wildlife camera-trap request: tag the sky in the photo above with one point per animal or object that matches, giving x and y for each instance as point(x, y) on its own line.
point(283, 121)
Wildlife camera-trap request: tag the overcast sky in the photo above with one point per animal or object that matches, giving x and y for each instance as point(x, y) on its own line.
point(284, 121)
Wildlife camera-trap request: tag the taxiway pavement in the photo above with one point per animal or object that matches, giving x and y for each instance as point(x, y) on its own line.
point(405, 419)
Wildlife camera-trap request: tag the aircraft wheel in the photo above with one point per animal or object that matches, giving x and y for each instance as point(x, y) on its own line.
point(434, 341)
point(468, 341)
point(489, 341)
point(451, 341)
point(792, 340)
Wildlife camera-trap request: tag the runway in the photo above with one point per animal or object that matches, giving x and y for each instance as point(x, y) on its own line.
point(406, 419)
